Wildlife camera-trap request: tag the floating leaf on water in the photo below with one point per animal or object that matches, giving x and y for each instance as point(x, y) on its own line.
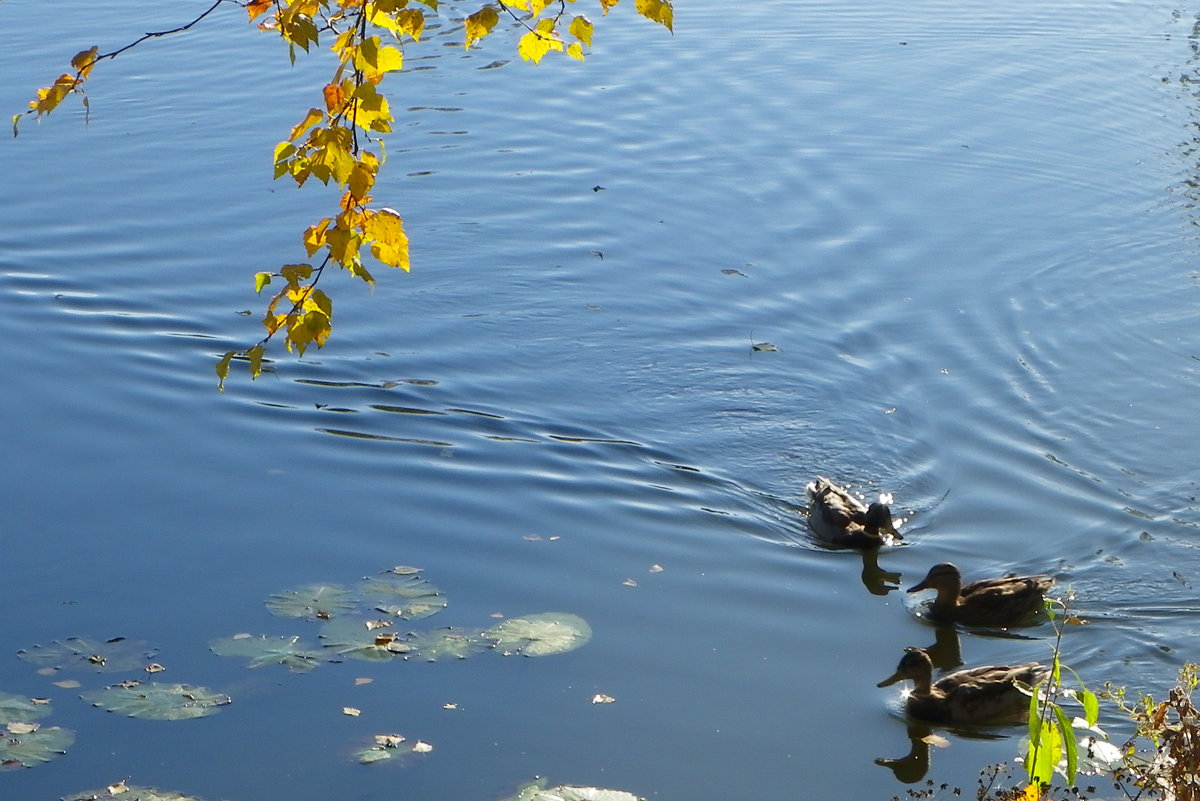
point(288, 651)
point(764, 346)
point(447, 643)
point(311, 602)
point(361, 681)
point(14, 708)
point(108, 656)
point(67, 684)
point(537, 791)
point(351, 711)
point(601, 698)
point(390, 747)
point(629, 582)
point(353, 637)
point(123, 792)
point(541, 635)
point(155, 701)
point(402, 595)
point(154, 667)
point(32, 748)
point(656, 568)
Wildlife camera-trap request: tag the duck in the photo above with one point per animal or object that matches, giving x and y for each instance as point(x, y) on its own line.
point(988, 602)
point(838, 518)
point(985, 695)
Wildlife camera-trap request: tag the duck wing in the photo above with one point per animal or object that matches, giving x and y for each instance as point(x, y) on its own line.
point(988, 694)
point(1017, 594)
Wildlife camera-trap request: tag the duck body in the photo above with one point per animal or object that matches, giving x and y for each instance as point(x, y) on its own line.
point(975, 696)
point(989, 602)
point(840, 519)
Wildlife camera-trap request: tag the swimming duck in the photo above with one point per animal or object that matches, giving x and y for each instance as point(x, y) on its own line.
point(978, 695)
point(839, 518)
point(988, 602)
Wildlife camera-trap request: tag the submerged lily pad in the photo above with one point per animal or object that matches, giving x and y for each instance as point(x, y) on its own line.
point(447, 643)
point(263, 650)
point(28, 749)
point(403, 594)
point(108, 656)
point(541, 635)
point(15, 709)
point(123, 792)
point(155, 701)
point(313, 601)
point(392, 747)
point(358, 638)
point(537, 791)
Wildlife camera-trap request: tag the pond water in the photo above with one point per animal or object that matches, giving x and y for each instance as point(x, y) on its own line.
point(968, 230)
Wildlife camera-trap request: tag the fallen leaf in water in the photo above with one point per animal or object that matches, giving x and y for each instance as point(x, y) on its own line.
point(22, 728)
point(767, 346)
point(936, 740)
point(351, 711)
point(449, 706)
point(420, 747)
point(601, 698)
point(656, 568)
point(361, 682)
point(67, 684)
point(154, 667)
point(629, 582)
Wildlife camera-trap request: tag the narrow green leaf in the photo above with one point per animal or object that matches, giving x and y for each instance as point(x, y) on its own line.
point(1091, 706)
point(1067, 735)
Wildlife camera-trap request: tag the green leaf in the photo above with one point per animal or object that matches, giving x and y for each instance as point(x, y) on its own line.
point(537, 791)
point(1091, 706)
point(27, 750)
point(356, 638)
point(1067, 737)
point(15, 709)
point(262, 650)
point(83, 653)
point(154, 701)
point(541, 635)
point(406, 596)
point(261, 280)
point(447, 643)
point(123, 792)
point(311, 601)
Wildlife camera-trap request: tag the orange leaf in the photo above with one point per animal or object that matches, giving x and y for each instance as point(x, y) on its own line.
point(335, 97)
point(256, 8)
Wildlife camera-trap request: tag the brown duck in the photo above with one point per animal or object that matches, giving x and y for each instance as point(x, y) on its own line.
point(979, 695)
point(838, 518)
point(988, 602)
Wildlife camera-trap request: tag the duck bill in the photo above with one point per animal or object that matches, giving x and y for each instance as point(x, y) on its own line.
point(890, 680)
point(923, 585)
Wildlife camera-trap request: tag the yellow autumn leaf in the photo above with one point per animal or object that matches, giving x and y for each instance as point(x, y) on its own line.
point(256, 8)
point(480, 24)
point(360, 182)
point(313, 116)
point(536, 44)
point(84, 60)
point(412, 22)
point(538, 6)
point(581, 28)
point(389, 243)
point(223, 369)
point(255, 356)
point(659, 11)
point(608, 4)
point(294, 274)
point(575, 51)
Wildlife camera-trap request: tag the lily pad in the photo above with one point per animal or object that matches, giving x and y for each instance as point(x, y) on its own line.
point(155, 701)
point(311, 602)
point(403, 594)
point(390, 747)
point(537, 791)
point(446, 643)
point(541, 635)
point(123, 792)
point(108, 656)
point(358, 638)
point(31, 748)
point(263, 650)
point(15, 709)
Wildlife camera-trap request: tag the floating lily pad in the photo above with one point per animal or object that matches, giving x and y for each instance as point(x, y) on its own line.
point(155, 701)
point(390, 747)
point(446, 643)
point(108, 656)
point(314, 601)
point(403, 594)
point(15, 709)
point(537, 791)
point(123, 792)
point(358, 638)
point(262, 650)
point(28, 749)
point(541, 635)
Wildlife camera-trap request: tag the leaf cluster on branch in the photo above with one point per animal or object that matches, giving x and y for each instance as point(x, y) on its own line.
point(340, 141)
